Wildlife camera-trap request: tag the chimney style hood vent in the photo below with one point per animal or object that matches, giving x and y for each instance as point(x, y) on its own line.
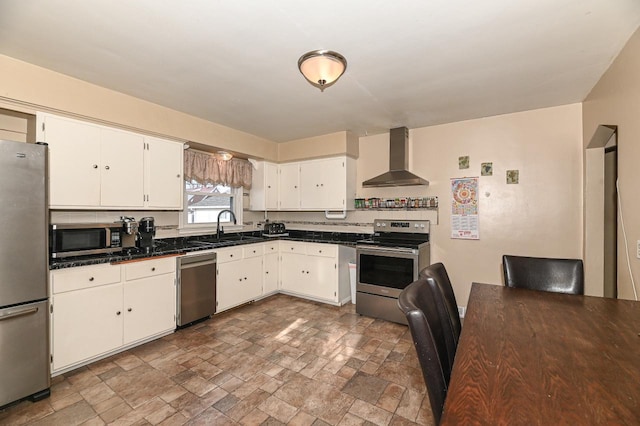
point(398, 175)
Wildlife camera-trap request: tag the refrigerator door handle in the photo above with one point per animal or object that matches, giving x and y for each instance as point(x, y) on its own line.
point(13, 314)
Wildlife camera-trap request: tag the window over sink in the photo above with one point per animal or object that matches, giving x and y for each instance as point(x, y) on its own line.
point(203, 203)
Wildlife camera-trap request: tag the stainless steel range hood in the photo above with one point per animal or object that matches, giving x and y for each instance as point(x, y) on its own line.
point(398, 175)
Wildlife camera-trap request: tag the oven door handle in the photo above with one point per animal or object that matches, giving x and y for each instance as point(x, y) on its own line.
point(382, 250)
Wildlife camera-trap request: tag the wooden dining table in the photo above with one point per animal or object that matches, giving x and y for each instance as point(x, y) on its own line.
point(529, 357)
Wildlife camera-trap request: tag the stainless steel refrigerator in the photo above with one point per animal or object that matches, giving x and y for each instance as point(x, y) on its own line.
point(24, 334)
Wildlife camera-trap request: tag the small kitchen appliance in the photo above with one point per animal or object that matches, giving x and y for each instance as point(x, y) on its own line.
point(274, 229)
point(81, 239)
point(388, 262)
point(129, 232)
point(146, 232)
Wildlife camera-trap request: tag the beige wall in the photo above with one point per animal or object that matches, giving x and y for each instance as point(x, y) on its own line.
point(615, 100)
point(541, 216)
point(338, 143)
point(29, 88)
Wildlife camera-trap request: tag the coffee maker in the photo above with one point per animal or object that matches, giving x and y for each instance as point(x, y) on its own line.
point(146, 232)
point(129, 233)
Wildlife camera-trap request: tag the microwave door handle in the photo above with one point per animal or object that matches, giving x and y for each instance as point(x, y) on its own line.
point(107, 236)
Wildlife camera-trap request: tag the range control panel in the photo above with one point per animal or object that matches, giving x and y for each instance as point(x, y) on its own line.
point(407, 226)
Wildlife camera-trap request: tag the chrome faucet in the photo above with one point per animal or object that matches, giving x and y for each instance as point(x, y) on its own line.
point(218, 231)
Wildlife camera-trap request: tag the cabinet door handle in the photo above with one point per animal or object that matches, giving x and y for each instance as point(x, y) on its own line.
point(266, 272)
point(307, 272)
point(106, 167)
point(240, 279)
point(118, 313)
point(129, 310)
point(245, 278)
point(91, 279)
point(230, 255)
point(153, 269)
point(95, 166)
point(178, 176)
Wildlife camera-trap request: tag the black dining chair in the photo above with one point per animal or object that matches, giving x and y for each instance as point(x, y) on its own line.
point(436, 278)
point(438, 272)
point(418, 302)
point(545, 274)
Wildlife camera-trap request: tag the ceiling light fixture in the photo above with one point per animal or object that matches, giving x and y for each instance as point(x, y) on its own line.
point(322, 68)
point(224, 155)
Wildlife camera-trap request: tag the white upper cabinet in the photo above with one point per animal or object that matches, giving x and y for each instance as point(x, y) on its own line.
point(163, 165)
point(74, 161)
point(324, 184)
point(264, 187)
point(93, 167)
point(289, 186)
point(121, 176)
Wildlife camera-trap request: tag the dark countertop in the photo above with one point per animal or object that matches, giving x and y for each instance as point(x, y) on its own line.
point(182, 245)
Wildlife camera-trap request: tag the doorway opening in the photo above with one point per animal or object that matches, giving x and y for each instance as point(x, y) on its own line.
point(601, 213)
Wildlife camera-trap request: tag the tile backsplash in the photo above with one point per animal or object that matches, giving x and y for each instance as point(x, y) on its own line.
point(167, 222)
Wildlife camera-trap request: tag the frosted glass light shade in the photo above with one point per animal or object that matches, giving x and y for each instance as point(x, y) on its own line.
point(322, 68)
point(224, 155)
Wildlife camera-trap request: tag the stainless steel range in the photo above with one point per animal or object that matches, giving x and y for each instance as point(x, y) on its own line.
point(387, 263)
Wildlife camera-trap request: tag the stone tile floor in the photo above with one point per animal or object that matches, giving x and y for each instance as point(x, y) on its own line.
point(281, 360)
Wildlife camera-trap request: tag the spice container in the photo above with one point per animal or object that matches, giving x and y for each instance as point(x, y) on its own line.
point(397, 203)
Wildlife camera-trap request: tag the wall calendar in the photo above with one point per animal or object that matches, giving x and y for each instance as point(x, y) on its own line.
point(464, 208)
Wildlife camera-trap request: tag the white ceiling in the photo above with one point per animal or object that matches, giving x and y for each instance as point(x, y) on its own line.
point(411, 63)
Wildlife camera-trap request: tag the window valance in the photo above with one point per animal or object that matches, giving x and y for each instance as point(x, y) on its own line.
point(206, 168)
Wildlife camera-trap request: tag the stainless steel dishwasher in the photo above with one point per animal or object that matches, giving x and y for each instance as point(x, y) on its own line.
point(196, 287)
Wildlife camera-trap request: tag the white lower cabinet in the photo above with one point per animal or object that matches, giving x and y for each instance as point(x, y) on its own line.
point(149, 307)
point(101, 309)
point(239, 275)
point(85, 323)
point(316, 270)
point(271, 268)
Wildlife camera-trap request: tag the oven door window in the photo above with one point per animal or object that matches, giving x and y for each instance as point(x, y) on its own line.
point(80, 239)
point(386, 271)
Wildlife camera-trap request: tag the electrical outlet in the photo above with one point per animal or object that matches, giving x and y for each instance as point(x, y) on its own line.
point(463, 309)
point(638, 249)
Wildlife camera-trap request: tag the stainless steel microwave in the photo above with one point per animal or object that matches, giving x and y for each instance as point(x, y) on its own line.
point(80, 239)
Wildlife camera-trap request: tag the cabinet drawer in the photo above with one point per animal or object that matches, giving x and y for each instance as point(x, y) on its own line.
point(292, 247)
point(326, 250)
point(149, 268)
point(271, 247)
point(84, 277)
point(228, 254)
point(253, 250)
